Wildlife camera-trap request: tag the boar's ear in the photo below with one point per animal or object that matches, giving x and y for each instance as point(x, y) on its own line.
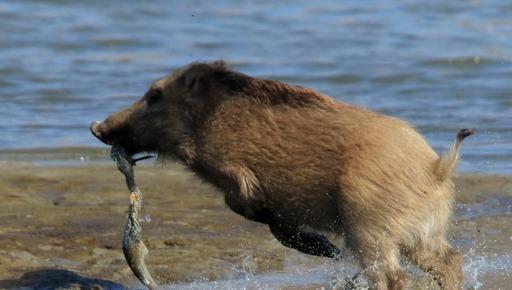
point(203, 81)
point(197, 82)
point(198, 76)
point(191, 80)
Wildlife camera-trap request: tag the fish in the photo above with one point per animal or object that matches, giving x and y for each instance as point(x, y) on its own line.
point(134, 249)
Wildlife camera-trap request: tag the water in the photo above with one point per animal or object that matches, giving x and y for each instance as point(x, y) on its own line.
point(332, 278)
point(442, 66)
point(484, 267)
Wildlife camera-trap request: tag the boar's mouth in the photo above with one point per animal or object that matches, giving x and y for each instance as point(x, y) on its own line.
point(99, 132)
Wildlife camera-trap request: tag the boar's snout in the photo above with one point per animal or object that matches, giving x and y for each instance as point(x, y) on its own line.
point(114, 127)
point(97, 132)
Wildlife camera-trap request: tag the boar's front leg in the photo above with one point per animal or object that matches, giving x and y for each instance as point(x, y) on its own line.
point(305, 242)
point(244, 201)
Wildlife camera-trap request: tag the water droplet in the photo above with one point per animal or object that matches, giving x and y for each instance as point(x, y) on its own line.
point(146, 219)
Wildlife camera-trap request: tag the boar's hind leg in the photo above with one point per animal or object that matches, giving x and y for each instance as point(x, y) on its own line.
point(380, 258)
point(305, 242)
point(439, 259)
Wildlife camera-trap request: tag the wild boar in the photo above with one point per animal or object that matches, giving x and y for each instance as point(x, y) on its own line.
point(302, 163)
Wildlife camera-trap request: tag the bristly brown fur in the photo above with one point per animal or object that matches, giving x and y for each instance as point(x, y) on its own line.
point(299, 161)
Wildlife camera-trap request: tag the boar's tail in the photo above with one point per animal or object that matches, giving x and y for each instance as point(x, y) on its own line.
point(446, 163)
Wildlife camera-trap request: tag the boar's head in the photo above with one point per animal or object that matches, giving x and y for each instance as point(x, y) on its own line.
point(173, 112)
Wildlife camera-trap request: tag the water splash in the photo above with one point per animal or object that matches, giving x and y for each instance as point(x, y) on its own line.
point(483, 266)
point(477, 266)
point(147, 218)
point(343, 276)
point(473, 268)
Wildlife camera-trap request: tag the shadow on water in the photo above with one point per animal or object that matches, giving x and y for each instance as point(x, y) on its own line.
point(57, 279)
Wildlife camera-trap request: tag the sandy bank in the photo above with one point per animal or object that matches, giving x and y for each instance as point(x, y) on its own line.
point(71, 219)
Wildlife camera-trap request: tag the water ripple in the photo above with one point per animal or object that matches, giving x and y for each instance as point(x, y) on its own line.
point(442, 66)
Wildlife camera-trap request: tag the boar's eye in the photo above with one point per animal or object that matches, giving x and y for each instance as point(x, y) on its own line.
point(153, 96)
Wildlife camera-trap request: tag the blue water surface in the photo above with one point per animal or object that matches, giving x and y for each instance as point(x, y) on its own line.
point(442, 65)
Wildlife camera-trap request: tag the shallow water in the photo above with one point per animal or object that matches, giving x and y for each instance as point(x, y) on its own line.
point(484, 268)
point(339, 277)
point(442, 66)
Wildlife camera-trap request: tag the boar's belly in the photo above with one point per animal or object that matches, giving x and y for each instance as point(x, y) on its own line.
point(315, 211)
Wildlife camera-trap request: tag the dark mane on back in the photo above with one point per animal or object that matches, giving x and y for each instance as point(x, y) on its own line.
point(268, 92)
point(276, 92)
